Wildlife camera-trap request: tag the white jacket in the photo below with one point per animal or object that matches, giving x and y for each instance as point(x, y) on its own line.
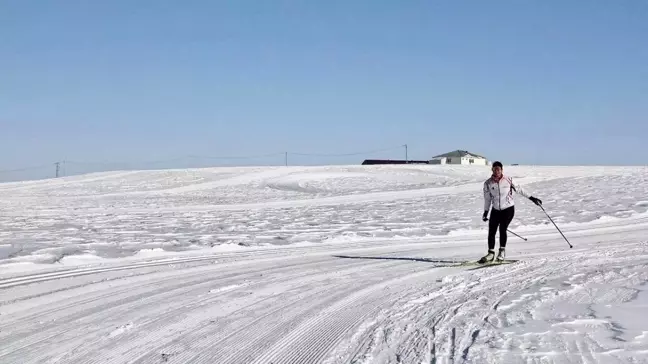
point(500, 193)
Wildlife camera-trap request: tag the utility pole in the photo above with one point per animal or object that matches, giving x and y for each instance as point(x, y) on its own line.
point(58, 168)
point(286, 158)
point(405, 145)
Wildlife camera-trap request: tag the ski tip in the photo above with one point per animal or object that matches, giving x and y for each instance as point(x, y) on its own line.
point(477, 265)
point(481, 264)
point(505, 261)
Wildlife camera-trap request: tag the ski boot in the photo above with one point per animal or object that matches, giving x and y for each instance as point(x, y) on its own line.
point(501, 256)
point(488, 257)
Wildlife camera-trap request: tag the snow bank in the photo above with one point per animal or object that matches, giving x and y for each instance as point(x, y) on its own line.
point(148, 214)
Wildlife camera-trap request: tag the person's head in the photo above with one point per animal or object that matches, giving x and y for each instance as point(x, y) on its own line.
point(498, 169)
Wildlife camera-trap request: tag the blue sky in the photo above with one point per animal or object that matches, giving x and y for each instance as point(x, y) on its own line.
point(542, 82)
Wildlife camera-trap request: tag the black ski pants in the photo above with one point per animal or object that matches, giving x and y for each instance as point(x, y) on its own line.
point(499, 219)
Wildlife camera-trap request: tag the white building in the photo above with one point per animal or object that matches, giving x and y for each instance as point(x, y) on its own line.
point(460, 157)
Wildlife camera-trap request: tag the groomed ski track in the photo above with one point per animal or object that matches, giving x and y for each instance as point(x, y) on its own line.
point(363, 304)
point(365, 301)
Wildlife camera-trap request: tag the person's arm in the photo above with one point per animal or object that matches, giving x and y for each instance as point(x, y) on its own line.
point(517, 188)
point(487, 200)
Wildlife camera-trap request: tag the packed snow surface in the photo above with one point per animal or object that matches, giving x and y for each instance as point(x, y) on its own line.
point(340, 264)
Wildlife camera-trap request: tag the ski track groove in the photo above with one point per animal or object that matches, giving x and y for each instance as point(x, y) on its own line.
point(449, 311)
point(338, 317)
point(332, 335)
point(43, 277)
point(452, 308)
point(195, 332)
point(319, 345)
point(386, 326)
point(229, 265)
point(78, 314)
point(271, 333)
point(534, 273)
point(246, 340)
point(124, 282)
point(207, 336)
point(500, 280)
point(76, 272)
point(300, 335)
point(106, 309)
point(186, 274)
point(142, 298)
point(251, 338)
point(25, 280)
point(432, 346)
point(306, 328)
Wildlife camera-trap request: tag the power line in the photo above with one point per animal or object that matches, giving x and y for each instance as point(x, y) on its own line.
point(107, 164)
point(249, 157)
point(160, 161)
point(239, 157)
point(25, 169)
point(347, 154)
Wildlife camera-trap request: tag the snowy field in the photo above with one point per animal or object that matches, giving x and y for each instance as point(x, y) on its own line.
point(352, 264)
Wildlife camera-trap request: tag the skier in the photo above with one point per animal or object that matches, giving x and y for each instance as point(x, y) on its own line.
point(498, 191)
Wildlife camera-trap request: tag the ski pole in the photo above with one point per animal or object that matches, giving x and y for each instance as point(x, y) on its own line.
point(513, 233)
point(561, 233)
point(516, 235)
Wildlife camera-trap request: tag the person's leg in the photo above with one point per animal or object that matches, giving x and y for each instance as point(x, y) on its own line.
point(505, 220)
point(492, 228)
point(507, 216)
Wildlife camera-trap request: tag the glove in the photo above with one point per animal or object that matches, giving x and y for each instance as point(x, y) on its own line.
point(536, 200)
point(485, 216)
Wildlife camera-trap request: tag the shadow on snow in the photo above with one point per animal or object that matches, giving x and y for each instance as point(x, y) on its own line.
point(425, 260)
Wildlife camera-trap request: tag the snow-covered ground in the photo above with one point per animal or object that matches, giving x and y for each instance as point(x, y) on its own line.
point(353, 264)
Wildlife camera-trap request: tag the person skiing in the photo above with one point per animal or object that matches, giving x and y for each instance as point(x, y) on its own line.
point(498, 192)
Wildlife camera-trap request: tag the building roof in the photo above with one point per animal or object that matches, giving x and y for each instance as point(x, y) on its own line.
point(392, 161)
point(458, 153)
